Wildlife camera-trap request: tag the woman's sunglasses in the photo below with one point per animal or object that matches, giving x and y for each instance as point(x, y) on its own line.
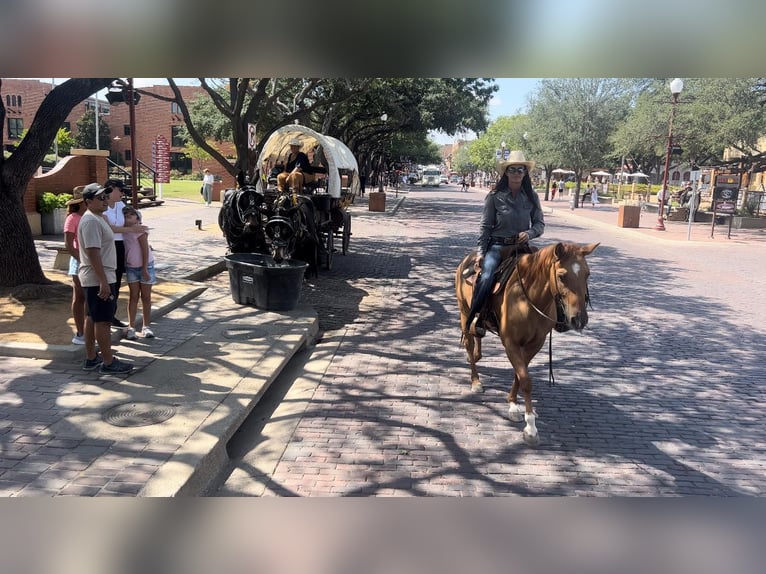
point(521, 169)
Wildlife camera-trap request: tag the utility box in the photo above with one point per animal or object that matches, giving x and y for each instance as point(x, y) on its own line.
point(628, 216)
point(377, 201)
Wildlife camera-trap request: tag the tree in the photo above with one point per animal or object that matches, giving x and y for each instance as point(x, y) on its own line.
point(86, 133)
point(349, 109)
point(572, 119)
point(64, 141)
point(18, 257)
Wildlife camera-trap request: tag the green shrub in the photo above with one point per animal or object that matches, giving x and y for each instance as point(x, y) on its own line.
point(49, 201)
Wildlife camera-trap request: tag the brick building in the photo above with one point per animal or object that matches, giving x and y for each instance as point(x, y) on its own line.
point(154, 117)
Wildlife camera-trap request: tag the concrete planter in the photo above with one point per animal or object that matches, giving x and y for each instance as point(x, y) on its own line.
point(749, 223)
point(377, 201)
point(53, 223)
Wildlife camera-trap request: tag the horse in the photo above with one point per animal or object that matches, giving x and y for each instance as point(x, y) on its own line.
point(270, 223)
point(547, 289)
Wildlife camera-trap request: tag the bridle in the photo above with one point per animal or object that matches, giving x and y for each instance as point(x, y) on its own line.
point(559, 323)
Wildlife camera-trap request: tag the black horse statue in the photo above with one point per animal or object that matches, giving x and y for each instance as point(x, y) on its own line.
point(271, 223)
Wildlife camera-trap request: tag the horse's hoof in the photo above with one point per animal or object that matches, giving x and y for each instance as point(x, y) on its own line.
point(477, 388)
point(531, 440)
point(515, 413)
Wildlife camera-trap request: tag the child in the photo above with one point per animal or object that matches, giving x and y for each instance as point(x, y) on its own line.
point(139, 269)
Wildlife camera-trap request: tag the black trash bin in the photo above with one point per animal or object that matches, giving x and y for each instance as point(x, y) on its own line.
point(258, 280)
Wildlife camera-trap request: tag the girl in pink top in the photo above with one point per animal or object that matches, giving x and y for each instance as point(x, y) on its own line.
point(139, 269)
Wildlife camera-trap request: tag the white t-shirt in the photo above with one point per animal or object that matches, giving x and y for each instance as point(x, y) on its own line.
point(115, 217)
point(208, 179)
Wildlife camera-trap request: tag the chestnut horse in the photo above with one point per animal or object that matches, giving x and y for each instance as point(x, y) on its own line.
point(547, 289)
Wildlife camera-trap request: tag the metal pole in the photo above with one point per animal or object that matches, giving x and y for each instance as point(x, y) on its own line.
point(96, 111)
point(664, 189)
point(56, 137)
point(133, 161)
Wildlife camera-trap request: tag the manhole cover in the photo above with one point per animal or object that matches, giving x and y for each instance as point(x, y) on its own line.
point(244, 333)
point(138, 414)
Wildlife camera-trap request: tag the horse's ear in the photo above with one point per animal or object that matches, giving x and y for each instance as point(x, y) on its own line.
point(240, 179)
point(559, 251)
point(588, 249)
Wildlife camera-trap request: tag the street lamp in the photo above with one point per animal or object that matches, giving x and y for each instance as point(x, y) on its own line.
point(118, 92)
point(675, 88)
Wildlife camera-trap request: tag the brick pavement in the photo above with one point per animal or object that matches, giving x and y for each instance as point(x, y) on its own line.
point(660, 396)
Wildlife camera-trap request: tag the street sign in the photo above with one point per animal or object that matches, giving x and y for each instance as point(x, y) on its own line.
point(251, 136)
point(161, 159)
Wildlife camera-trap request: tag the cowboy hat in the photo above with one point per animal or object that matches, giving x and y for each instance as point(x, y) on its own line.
point(296, 141)
point(514, 158)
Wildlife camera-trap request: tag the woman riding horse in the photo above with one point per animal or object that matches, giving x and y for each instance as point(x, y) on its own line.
point(511, 216)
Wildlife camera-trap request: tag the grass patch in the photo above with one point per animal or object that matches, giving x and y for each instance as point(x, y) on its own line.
point(181, 189)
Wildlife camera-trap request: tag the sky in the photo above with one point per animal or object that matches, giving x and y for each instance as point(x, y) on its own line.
point(509, 100)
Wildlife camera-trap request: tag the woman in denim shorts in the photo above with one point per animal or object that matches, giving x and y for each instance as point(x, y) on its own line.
point(139, 270)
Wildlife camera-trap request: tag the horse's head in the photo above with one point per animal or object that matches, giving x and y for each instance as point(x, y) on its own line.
point(569, 282)
point(281, 233)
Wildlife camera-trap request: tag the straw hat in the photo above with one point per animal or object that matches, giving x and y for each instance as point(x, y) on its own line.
point(516, 157)
point(296, 141)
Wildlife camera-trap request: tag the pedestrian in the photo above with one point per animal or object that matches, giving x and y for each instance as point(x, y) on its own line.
point(554, 186)
point(663, 198)
point(512, 216)
point(362, 180)
point(97, 273)
point(72, 221)
point(139, 269)
point(594, 195)
point(207, 187)
point(114, 217)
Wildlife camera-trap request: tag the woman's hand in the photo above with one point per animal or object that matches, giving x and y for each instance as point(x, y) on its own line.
point(478, 263)
point(523, 237)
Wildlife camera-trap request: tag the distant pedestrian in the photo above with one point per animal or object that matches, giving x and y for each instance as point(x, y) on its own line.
point(98, 262)
point(207, 187)
point(594, 195)
point(554, 187)
point(139, 269)
point(71, 223)
point(362, 180)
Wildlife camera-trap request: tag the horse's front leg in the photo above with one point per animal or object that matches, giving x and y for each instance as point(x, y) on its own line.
point(473, 350)
point(522, 380)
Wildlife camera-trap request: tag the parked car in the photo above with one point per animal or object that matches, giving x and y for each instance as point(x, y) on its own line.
point(443, 179)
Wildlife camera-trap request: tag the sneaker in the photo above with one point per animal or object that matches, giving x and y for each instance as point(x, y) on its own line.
point(117, 323)
point(116, 368)
point(91, 364)
point(78, 340)
point(147, 333)
point(131, 334)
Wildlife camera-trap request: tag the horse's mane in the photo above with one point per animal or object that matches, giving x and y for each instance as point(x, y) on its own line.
point(538, 263)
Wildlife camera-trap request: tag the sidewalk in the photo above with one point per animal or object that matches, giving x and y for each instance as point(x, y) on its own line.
point(161, 431)
point(605, 215)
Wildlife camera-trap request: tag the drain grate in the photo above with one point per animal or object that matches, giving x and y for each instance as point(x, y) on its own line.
point(244, 333)
point(138, 414)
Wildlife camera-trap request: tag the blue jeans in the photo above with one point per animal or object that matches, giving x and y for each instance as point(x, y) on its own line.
point(483, 286)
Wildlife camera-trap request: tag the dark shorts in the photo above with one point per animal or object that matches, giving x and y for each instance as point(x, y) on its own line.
point(101, 311)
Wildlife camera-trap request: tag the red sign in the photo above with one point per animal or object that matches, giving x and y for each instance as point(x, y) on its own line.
point(161, 159)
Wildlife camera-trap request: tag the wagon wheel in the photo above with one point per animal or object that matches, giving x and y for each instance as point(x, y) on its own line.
point(329, 247)
point(346, 231)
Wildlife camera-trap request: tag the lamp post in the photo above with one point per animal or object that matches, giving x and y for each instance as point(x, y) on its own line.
point(675, 88)
point(384, 117)
point(121, 91)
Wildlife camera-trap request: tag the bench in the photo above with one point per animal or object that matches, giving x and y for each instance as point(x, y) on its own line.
point(62, 255)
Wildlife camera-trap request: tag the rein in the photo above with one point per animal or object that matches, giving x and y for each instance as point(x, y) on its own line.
point(558, 322)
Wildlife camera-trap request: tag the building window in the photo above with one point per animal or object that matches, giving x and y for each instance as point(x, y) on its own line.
point(15, 127)
point(127, 155)
point(13, 101)
point(19, 101)
point(176, 139)
point(8, 100)
point(126, 130)
point(180, 161)
point(175, 108)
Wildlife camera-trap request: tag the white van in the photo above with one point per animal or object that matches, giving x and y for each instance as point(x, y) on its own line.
point(431, 176)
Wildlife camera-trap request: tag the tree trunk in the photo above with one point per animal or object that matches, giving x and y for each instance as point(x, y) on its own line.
point(18, 257)
point(19, 263)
